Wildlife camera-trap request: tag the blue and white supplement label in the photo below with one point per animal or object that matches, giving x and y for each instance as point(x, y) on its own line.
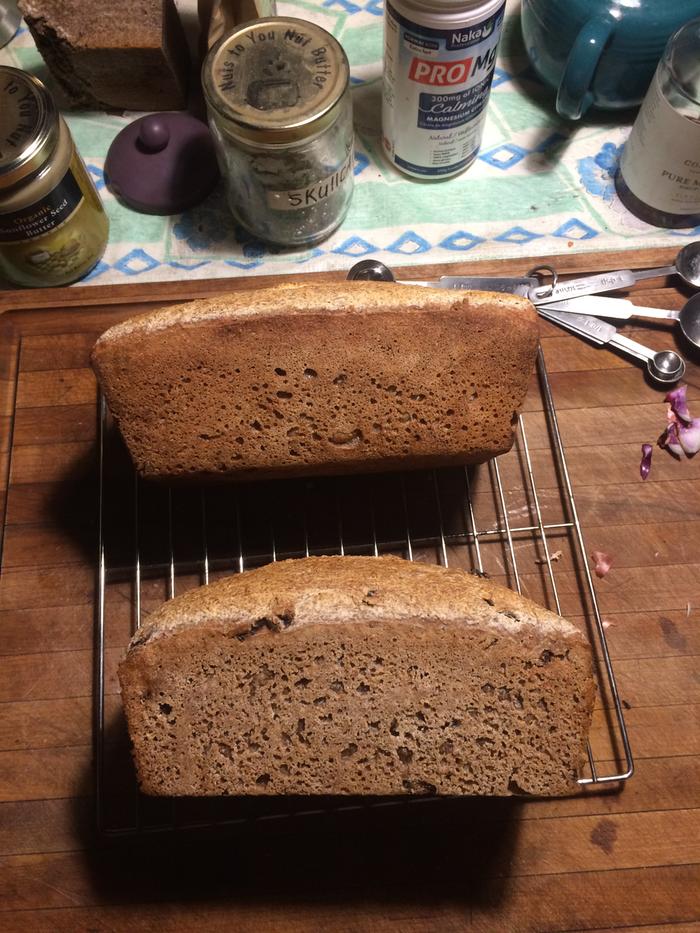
point(436, 88)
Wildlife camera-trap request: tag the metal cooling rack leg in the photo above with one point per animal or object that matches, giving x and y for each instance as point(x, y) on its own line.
point(493, 465)
point(99, 668)
point(373, 523)
point(171, 552)
point(273, 542)
point(205, 548)
point(339, 515)
point(564, 471)
point(472, 522)
point(538, 513)
point(137, 557)
point(441, 524)
point(407, 523)
point(239, 532)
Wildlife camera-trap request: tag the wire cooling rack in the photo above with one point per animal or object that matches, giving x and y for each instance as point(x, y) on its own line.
point(513, 518)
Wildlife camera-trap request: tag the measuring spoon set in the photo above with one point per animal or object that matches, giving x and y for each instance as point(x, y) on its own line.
point(575, 305)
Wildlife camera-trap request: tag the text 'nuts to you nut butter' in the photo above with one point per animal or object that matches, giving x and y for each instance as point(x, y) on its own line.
point(278, 99)
point(53, 228)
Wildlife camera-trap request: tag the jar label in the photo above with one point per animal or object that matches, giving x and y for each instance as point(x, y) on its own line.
point(44, 215)
point(297, 199)
point(661, 159)
point(436, 88)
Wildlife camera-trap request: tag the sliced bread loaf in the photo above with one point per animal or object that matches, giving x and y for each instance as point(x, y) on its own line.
point(357, 675)
point(314, 379)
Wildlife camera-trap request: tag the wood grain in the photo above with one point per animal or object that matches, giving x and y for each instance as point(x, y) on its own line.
point(627, 858)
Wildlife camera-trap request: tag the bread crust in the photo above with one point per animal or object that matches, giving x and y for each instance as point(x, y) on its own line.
point(319, 379)
point(438, 679)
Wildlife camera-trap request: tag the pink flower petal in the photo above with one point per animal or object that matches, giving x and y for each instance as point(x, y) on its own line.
point(676, 398)
point(689, 437)
point(671, 441)
point(603, 563)
point(645, 465)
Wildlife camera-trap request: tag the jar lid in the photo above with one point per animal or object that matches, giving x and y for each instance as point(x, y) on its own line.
point(275, 80)
point(29, 125)
point(163, 163)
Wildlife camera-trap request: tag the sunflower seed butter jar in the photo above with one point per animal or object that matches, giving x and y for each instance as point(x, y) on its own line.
point(278, 101)
point(53, 228)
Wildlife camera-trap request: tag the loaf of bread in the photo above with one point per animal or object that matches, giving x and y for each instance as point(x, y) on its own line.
point(319, 379)
point(357, 675)
point(130, 55)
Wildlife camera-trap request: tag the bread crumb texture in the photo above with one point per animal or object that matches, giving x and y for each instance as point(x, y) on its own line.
point(357, 675)
point(319, 379)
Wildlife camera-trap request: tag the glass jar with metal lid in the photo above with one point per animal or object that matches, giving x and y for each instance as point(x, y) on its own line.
point(278, 99)
point(53, 228)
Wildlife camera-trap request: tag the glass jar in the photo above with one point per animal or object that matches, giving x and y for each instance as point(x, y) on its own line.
point(659, 174)
point(278, 99)
point(53, 228)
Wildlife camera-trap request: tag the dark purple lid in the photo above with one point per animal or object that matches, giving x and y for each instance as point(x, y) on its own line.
point(162, 163)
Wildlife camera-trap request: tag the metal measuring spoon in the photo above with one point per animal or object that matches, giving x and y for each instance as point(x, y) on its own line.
point(620, 309)
point(687, 265)
point(371, 270)
point(663, 365)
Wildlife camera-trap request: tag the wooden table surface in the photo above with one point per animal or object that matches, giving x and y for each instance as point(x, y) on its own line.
point(628, 858)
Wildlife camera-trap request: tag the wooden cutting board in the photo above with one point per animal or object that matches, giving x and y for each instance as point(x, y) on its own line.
point(628, 858)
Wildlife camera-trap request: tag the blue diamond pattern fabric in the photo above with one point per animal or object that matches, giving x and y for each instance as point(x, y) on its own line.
point(538, 185)
point(518, 235)
point(355, 246)
point(97, 271)
point(97, 174)
point(361, 163)
point(236, 264)
point(136, 262)
point(691, 234)
point(189, 266)
point(408, 244)
point(575, 229)
point(461, 241)
point(500, 76)
point(505, 156)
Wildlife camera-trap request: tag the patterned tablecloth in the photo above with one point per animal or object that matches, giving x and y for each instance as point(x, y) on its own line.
point(539, 185)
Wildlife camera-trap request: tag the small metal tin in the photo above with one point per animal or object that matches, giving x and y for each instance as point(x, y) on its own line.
point(278, 99)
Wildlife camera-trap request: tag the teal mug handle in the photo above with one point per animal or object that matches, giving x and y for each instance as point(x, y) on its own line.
point(574, 96)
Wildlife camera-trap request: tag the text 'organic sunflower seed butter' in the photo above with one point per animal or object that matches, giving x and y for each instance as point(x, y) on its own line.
point(439, 58)
point(278, 100)
point(53, 228)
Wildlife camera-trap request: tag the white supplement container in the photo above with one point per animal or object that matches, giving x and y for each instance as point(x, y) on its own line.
point(439, 58)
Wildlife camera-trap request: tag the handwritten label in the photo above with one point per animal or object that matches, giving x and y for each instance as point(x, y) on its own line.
point(296, 199)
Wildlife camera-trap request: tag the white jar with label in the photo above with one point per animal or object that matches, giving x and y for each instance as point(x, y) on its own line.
point(659, 174)
point(439, 59)
point(278, 99)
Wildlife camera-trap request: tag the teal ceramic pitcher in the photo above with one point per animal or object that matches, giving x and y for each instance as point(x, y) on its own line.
point(600, 53)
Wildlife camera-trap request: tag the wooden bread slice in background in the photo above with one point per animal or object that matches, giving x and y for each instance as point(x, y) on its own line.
point(357, 675)
point(319, 379)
